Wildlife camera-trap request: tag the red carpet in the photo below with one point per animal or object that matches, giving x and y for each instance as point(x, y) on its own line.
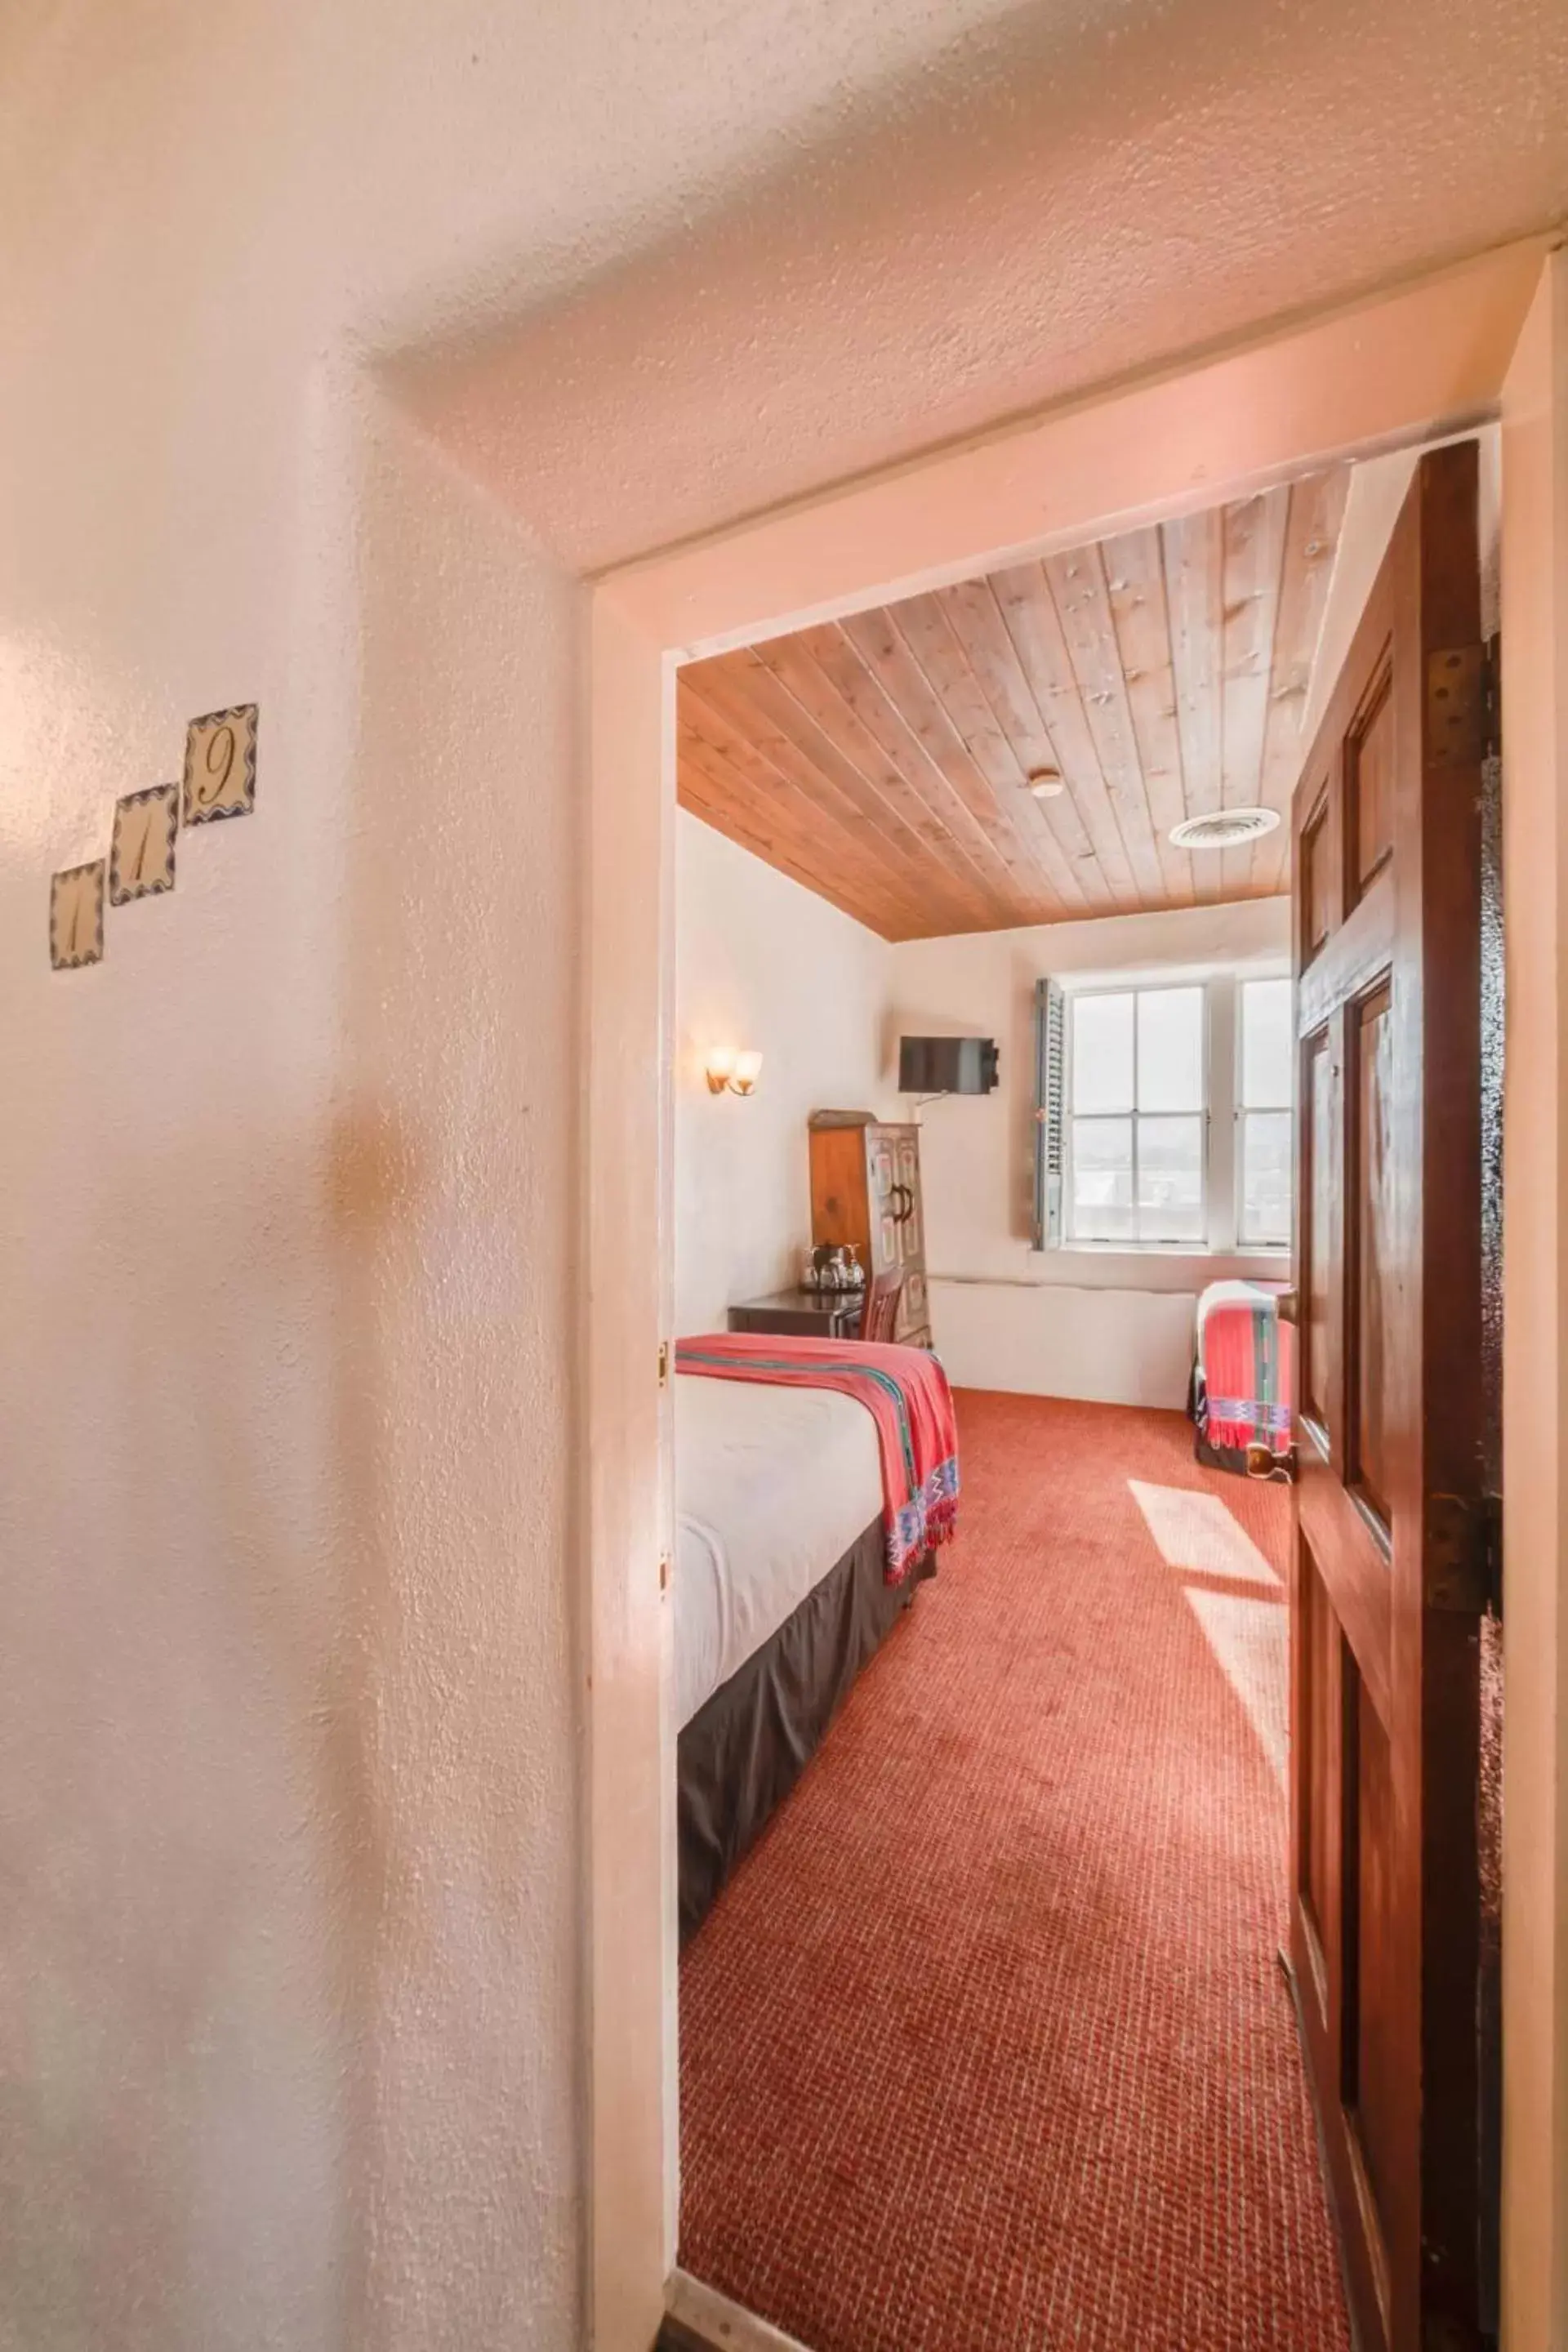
point(985, 2048)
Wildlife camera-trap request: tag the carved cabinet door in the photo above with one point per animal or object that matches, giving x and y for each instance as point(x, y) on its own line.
point(882, 1192)
point(1390, 1564)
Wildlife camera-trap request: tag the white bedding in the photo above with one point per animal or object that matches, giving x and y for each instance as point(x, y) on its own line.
point(772, 1487)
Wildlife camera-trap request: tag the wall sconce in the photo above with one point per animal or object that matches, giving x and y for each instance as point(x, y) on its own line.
point(732, 1070)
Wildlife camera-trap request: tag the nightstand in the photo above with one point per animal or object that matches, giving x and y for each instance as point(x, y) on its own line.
point(813, 1314)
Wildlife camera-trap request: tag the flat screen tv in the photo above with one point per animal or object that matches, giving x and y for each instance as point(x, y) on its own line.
point(947, 1066)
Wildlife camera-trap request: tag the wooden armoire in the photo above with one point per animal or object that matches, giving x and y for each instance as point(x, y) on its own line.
point(866, 1190)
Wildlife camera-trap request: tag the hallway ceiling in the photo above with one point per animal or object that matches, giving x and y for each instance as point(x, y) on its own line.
point(1037, 200)
point(884, 760)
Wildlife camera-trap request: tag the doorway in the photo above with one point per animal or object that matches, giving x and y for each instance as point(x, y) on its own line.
point(1438, 351)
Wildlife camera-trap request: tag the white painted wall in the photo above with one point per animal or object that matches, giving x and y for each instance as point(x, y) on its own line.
point(1534, 597)
point(761, 961)
point(1116, 1326)
point(290, 1693)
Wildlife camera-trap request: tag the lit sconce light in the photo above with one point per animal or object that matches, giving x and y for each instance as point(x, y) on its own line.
point(732, 1070)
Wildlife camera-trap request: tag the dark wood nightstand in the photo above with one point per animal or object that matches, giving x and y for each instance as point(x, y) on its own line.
point(815, 1314)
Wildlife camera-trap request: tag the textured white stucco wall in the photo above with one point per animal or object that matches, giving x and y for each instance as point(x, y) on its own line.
point(1072, 189)
point(761, 961)
point(290, 1738)
point(288, 1791)
point(289, 1735)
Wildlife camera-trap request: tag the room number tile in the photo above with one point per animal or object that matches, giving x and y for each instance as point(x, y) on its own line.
point(219, 781)
point(220, 765)
point(76, 917)
point(141, 854)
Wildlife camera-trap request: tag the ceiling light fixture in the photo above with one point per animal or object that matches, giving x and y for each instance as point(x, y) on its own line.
point(1223, 828)
point(1046, 783)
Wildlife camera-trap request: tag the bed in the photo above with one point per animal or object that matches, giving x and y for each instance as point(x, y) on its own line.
point(782, 1594)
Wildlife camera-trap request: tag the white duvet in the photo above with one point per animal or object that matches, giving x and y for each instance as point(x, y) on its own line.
point(772, 1487)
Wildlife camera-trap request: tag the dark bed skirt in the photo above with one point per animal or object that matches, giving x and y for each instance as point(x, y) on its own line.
point(744, 1749)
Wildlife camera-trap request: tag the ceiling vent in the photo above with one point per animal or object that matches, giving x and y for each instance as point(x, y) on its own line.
point(1224, 829)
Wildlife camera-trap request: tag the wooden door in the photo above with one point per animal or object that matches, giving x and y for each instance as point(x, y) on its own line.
point(910, 1231)
point(907, 1203)
point(1390, 1566)
point(882, 1192)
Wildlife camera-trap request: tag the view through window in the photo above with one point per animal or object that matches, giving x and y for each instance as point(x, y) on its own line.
point(1167, 1145)
point(1136, 1141)
point(1263, 1114)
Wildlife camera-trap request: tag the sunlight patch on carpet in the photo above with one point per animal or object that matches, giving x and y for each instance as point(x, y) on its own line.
point(1251, 1640)
point(1196, 1531)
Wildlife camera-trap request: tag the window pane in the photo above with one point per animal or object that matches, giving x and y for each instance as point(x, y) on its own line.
point(1102, 1181)
point(1103, 1053)
point(1268, 1048)
point(1170, 1180)
point(1171, 1049)
point(1266, 1156)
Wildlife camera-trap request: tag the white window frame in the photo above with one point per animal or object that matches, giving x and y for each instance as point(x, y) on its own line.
point(1221, 1113)
point(1163, 987)
point(1242, 1114)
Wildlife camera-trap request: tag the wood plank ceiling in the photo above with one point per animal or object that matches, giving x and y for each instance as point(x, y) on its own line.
point(884, 760)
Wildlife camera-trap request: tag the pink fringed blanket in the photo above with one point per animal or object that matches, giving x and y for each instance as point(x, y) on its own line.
point(1246, 1385)
point(905, 1391)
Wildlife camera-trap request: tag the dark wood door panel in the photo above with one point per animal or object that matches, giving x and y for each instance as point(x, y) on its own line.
point(1318, 1702)
point(1319, 1196)
point(1376, 1251)
point(1317, 912)
point(1371, 2155)
point(1339, 1939)
point(1353, 959)
point(1384, 1759)
point(1335, 1525)
point(1373, 2052)
point(1370, 773)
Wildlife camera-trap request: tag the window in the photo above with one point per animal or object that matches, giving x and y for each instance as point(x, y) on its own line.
point(1163, 1113)
point(1263, 1096)
point(1136, 1128)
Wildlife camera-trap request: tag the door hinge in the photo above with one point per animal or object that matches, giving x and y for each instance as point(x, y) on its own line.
point(664, 1363)
point(1464, 1554)
point(664, 1572)
point(1490, 1534)
point(1463, 710)
point(1491, 696)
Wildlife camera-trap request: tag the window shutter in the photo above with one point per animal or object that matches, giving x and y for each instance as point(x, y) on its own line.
point(1050, 1044)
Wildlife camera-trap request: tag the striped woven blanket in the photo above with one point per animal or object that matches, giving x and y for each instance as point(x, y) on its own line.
point(1245, 1368)
point(905, 1391)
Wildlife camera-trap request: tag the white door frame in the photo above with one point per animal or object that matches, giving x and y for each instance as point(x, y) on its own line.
point(1423, 359)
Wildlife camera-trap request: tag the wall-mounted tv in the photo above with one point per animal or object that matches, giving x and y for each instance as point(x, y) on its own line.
point(947, 1066)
